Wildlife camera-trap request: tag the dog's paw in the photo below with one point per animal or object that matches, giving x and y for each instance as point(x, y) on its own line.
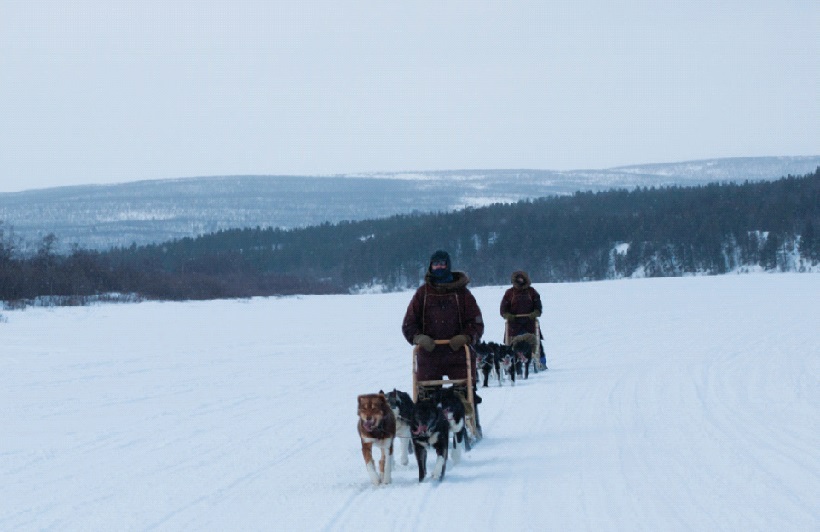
point(438, 470)
point(374, 476)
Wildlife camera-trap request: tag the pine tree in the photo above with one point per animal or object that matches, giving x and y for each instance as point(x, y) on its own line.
point(809, 245)
point(768, 255)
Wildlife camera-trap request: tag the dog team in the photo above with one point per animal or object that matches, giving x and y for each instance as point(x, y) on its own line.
point(441, 319)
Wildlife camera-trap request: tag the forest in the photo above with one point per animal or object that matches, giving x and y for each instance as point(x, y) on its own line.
point(651, 232)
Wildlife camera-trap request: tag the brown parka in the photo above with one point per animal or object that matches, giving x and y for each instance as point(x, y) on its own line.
point(442, 311)
point(523, 300)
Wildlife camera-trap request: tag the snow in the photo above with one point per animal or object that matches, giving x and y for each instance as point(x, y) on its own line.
point(622, 248)
point(670, 404)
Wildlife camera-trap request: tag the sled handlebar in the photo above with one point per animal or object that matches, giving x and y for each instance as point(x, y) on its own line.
point(444, 342)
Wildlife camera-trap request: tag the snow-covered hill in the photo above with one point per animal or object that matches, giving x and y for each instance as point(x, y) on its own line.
point(156, 211)
point(670, 404)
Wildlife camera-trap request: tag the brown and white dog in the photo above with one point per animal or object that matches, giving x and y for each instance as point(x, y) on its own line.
point(377, 426)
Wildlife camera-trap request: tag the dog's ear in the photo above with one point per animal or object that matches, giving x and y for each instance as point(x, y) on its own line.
point(381, 392)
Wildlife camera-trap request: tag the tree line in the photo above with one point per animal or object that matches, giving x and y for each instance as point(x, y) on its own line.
point(669, 231)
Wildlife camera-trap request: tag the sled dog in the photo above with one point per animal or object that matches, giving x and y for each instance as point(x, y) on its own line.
point(430, 430)
point(489, 360)
point(403, 407)
point(377, 426)
point(454, 407)
point(523, 346)
point(506, 359)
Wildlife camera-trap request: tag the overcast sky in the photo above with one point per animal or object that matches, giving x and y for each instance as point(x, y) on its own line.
point(113, 91)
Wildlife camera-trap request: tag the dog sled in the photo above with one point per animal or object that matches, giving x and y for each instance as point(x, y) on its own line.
point(463, 387)
point(536, 355)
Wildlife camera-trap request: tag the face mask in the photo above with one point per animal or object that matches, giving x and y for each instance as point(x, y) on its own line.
point(439, 273)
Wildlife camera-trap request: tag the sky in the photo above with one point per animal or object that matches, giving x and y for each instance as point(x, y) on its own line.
point(102, 92)
point(671, 404)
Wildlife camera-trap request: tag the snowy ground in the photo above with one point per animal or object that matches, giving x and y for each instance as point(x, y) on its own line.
point(671, 404)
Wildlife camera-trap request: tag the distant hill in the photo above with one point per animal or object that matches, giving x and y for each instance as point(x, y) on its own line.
point(104, 216)
point(647, 232)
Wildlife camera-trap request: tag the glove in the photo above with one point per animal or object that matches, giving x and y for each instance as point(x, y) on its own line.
point(509, 317)
point(426, 343)
point(535, 314)
point(458, 341)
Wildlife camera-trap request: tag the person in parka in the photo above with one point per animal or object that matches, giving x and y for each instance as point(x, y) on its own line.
point(443, 309)
point(520, 307)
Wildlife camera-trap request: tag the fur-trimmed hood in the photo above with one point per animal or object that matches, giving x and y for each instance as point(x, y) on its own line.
point(526, 277)
point(460, 280)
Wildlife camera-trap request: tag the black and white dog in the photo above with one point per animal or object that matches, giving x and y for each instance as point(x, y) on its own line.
point(403, 407)
point(508, 362)
point(430, 429)
point(488, 359)
point(453, 406)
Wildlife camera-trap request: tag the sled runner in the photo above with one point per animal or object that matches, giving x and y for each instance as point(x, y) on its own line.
point(463, 387)
point(536, 356)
